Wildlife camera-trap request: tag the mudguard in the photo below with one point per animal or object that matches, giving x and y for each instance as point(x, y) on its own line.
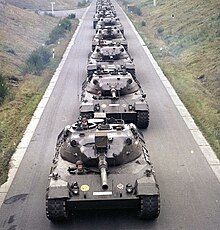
point(146, 186)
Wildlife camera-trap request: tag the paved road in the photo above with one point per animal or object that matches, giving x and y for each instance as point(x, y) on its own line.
point(190, 192)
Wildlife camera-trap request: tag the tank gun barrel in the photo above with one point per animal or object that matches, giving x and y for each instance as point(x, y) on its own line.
point(102, 167)
point(113, 92)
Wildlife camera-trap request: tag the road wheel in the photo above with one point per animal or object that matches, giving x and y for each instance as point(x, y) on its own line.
point(149, 207)
point(56, 209)
point(142, 119)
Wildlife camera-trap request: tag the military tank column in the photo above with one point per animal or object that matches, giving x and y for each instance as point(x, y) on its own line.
point(111, 71)
point(101, 161)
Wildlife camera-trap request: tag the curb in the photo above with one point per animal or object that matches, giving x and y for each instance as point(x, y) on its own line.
point(28, 134)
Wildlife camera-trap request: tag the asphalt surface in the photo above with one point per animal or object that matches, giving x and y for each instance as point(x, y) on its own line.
point(190, 192)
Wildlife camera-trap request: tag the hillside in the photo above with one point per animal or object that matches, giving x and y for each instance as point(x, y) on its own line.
point(184, 37)
point(22, 32)
point(44, 4)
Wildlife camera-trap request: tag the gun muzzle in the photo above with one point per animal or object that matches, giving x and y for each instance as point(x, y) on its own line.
point(102, 167)
point(113, 92)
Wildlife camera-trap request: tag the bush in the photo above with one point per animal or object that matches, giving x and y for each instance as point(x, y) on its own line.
point(3, 88)
point(11, 51)
point(38, 60)
point(59, 31)
point(137, 11)
point(143, 23)
point(160, 30)
point(65, 24)
point(125, 2)
point(71, 16)
point(82, 3)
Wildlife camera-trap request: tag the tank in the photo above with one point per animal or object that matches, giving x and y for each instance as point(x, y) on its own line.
point(101, 165)
point(103, 11)
point(104, 37)
point(109, 57)
point(104, 5)
point(96, 18)
point(104, 23)
point(118, 95)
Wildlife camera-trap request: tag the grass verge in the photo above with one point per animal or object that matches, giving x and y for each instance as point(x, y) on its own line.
point(184, 38)
point(18, 108)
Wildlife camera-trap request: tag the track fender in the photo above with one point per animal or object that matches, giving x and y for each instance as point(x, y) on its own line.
point(86, 107)
point(146, 186)
point(91, 67)
point(58, 189)
point(139, 105)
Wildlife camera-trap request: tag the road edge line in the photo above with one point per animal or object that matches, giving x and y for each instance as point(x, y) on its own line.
point(204, 146)
point(28, 134)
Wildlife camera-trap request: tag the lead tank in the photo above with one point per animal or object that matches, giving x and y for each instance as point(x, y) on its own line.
point(101, 165)
point(118, 95)
point(104, 37)
point(108, 57)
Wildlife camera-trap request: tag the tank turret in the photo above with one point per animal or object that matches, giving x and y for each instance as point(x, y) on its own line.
point(101, 163)
point(109, 57)
point(103, 12)
point(104, 37)
point(106, 22)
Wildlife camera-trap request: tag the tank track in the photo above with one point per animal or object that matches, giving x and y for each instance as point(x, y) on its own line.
point(90, 72)
point(56, 209)
point(149, 207)
point(132, 72)
point(142, 119)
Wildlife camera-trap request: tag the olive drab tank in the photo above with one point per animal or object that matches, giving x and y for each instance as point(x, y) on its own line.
point(118, 95)
point(101, 161)
point(104, 37)
point(101, 165)
point(106, 22)
point(103, 10)
point(109, 57)
point(96, 18)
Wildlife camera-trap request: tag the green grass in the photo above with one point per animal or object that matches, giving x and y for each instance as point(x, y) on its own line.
point(189, 33)
point(25, 90)
point(45, 4)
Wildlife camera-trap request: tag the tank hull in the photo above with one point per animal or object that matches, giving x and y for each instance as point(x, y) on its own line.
point(119, 109)
point(91, 196)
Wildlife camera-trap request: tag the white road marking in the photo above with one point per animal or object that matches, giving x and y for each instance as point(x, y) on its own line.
point(23, 145)
point(207, 151)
